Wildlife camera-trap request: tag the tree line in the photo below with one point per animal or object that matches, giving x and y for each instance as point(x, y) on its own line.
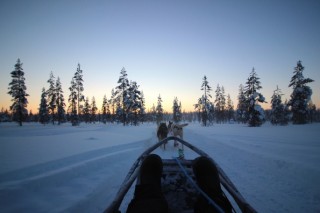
point(299, 109)
point(127, 103)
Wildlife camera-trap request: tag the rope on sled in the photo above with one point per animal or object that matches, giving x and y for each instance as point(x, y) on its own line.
point(218, 208)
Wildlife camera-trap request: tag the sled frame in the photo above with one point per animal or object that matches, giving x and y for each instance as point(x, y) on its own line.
point(132, 175)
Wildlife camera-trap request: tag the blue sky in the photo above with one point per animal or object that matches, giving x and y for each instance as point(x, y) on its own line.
point(166, 46)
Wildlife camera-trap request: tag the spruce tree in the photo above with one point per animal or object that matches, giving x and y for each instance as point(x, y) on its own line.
point(176, 108)
point(73, 104)
point(204, 103)
point(78, 79)
point(121, 96)
point(220, 104)
point(113, 104)
point(104, 109)
point(86, 110)
point(76, 96)
point(51, 96)
point(17, 89)
point(43, 108)
point(93, 110)
point(142, 111)
point(61, 113)
point(300, 96)
point(230, 109)
point(277, 108)
point(159, 111)
point(133, 102)
point(242, 106)
point(255, 111)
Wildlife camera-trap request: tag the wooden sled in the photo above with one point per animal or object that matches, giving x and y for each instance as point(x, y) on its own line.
point(177, 185)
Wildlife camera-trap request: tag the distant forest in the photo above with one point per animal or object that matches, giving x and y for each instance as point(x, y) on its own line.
point(127, 103)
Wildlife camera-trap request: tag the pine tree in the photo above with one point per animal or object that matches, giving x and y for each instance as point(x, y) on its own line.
point(43, 108)
point(176, 108)
point(52, 99)
point(17, 89)
point(300, 96)
point(255, 112)
point(93, 110)
point(159, 111)
point(61, 113)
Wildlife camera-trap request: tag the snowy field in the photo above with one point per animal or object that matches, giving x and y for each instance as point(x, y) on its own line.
point(79, 169)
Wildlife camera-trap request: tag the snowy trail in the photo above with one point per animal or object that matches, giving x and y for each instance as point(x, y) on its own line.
point(54, 186)
point(68, 169)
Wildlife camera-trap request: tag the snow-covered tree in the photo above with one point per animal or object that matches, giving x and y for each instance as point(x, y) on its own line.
point(93, 110)
point(52, 98)
point(113, 104)
point(86, 110)
point(159, 111)
point(242, 106)
point(43, 108)
point(142, 112)
point(74, 118)
point(61, 113)
point(105, 109)
point(255, 111)
point(78, 79)
point(176, 108)
point(278, 114)
point(312, 111)
point(4, 115)
point(229, 109)
point(76, 96)
point(203, 103)
point(300, 96)
point(133, 102)
point(17, 89)
point(121, 96)
point(220, 104)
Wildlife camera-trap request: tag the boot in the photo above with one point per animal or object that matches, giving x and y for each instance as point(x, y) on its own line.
point(208, 180)
point(151, 170)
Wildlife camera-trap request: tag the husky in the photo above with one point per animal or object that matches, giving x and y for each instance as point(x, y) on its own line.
point(176, 130)
point(162, 133)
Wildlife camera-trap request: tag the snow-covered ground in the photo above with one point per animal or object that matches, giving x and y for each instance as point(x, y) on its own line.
point(79, 169)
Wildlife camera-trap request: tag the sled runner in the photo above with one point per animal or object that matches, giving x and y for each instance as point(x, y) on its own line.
point(178, 183)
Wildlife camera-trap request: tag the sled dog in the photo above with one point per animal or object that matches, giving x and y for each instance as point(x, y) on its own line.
point(176, 130)
point(162, 133)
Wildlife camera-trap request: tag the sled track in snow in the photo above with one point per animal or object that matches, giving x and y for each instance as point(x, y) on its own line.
point(62, 165)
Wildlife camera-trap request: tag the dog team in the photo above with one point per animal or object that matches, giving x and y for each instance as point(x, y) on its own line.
point(175, 130)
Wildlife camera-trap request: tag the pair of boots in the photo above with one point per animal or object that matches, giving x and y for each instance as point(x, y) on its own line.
point(149, 198)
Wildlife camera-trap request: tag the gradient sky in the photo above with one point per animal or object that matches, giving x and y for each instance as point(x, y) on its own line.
point(166, 46)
